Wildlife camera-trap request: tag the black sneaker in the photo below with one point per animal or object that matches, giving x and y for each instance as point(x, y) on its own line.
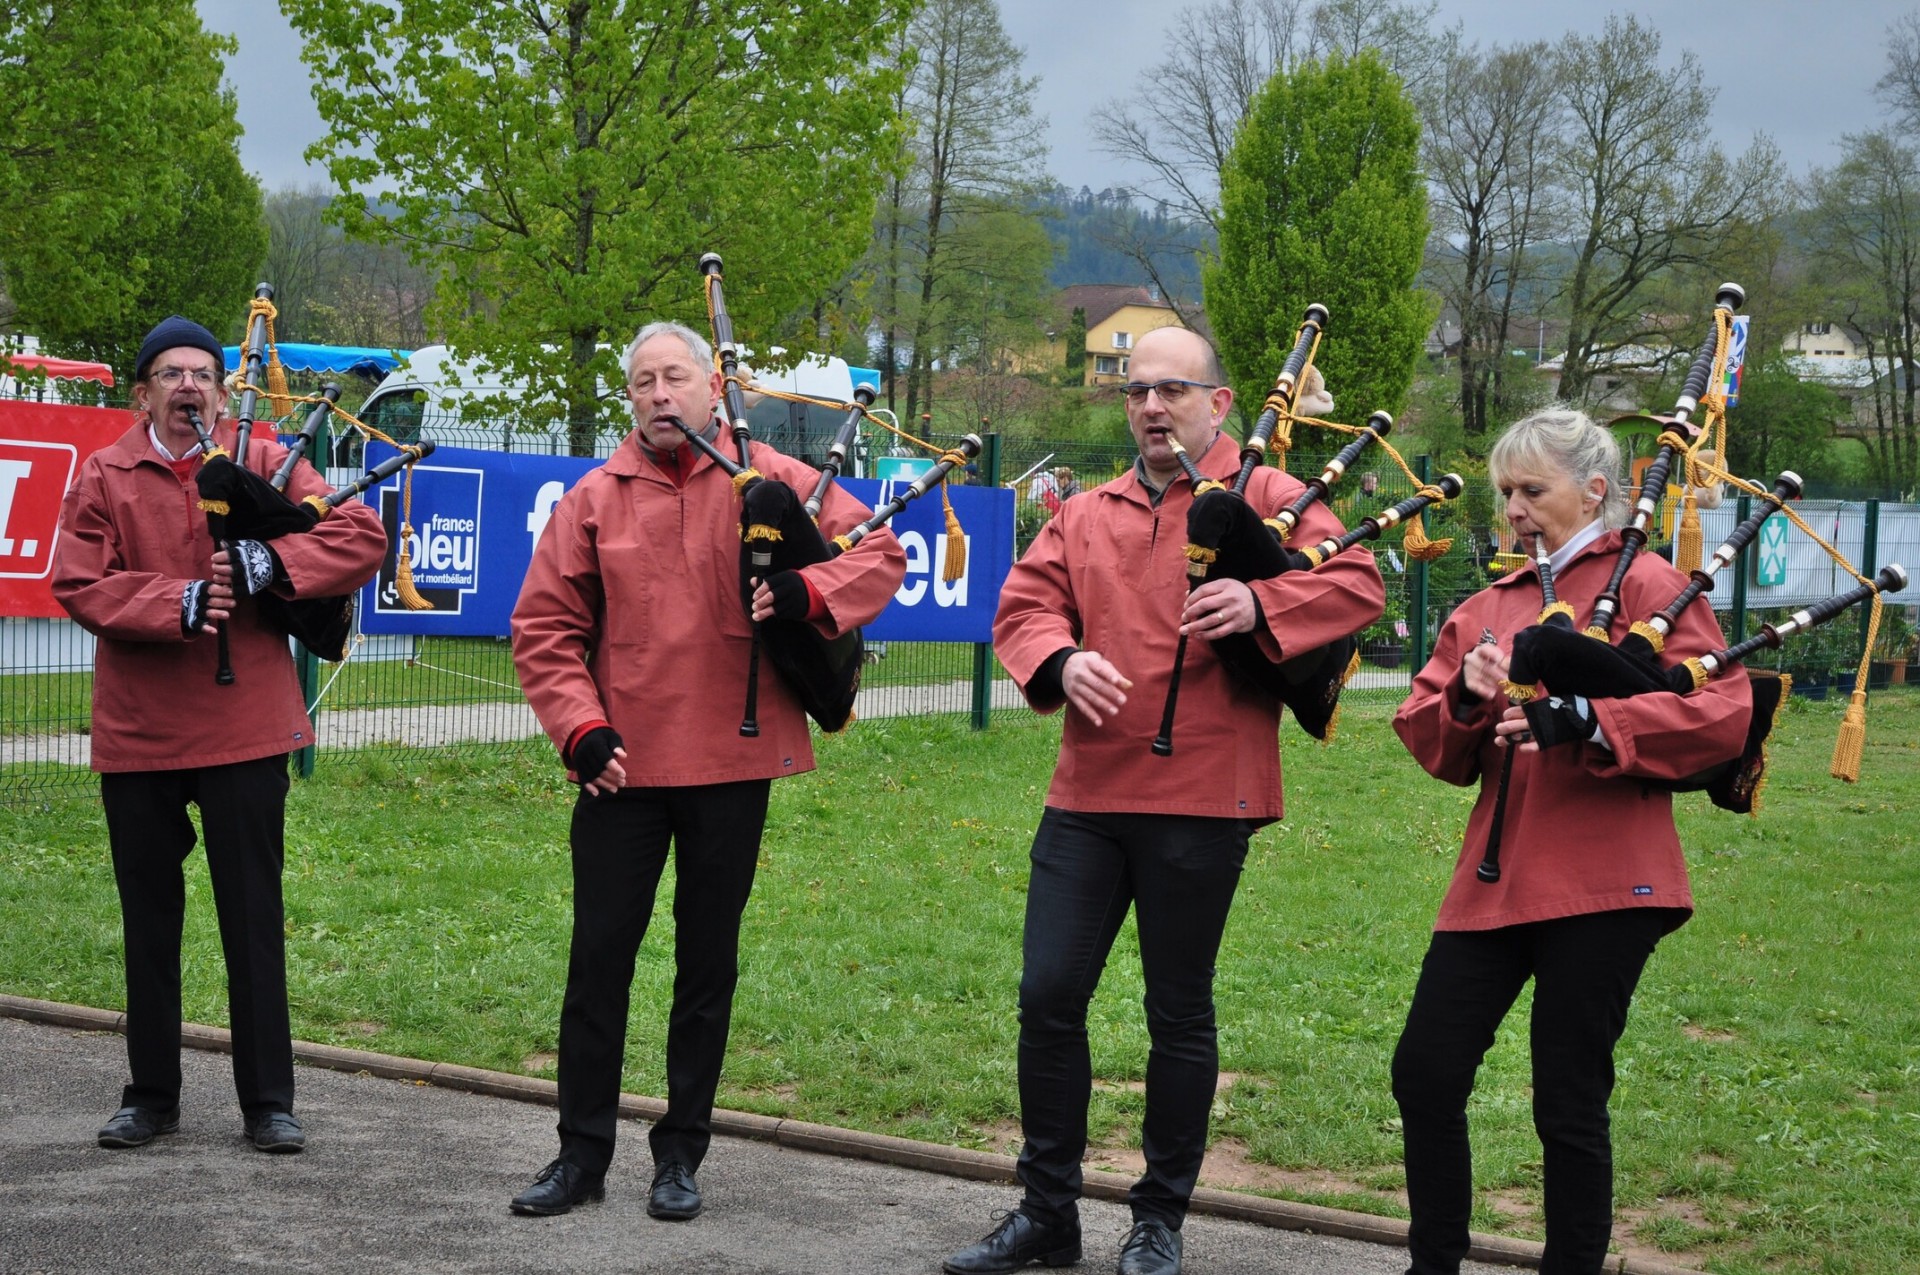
point(137, 1126)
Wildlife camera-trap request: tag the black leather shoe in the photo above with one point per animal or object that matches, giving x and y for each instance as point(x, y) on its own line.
point(137, 1126)
point(674, 1197)
point(560, 1186)
point(1018, 1241)
point(1152, 1248)
point(276, 1132)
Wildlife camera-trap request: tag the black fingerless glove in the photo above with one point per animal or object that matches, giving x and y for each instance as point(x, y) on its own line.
point(790, 598)
point(255, 567)
point(1562, 721)
point(593, 752)
point(193, 606)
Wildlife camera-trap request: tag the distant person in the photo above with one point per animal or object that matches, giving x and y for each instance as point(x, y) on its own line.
point(1044, 491)
point(1064, 483)
point(1088, 620)
point(1592, 876)
point(630, 626)
point(136, 567)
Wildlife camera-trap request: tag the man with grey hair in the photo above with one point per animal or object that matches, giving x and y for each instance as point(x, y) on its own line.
point(630, 625)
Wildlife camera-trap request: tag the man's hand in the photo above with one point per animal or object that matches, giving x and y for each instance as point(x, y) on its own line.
point(249, 565)
point(1218, 608)
point(1562, 721)
point(205, 606)
point(782, 595)
point(1093, 685)
point(596, 760)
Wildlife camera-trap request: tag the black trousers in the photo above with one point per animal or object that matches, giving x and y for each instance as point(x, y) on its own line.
point(243, 812)
point(1585, 969)
point(1179, 875)
point(620, 844)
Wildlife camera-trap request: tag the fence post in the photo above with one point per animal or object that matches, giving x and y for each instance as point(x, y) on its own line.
point(1869, 550)
point(983, 651)
point(1416, 584)
point(1742, 510)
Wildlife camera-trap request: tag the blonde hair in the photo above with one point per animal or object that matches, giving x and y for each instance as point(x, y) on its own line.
point(1571, 442)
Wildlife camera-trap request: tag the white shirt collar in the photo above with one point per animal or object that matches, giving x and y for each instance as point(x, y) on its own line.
point(153, 436)
point(1579, 540)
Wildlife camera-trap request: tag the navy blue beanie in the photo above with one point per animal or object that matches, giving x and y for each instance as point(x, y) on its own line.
point(173, 333)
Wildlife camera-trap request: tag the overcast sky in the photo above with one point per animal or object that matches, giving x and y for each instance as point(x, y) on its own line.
point(1801, 72)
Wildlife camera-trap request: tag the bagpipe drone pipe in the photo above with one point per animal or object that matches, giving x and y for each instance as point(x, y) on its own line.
point(779, 534)
point(249, 506)
point(1550, 654)
point(241, 504)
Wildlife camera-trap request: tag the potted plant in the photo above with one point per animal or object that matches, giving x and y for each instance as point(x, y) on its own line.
point(1893, 649)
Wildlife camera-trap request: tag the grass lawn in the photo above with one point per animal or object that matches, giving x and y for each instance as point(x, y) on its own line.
point(1768, 1111)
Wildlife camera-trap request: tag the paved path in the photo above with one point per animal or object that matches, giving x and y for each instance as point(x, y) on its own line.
point(415, 1177)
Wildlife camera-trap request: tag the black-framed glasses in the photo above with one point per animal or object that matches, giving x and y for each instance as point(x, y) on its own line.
point(172, 376)
point(1171, 390)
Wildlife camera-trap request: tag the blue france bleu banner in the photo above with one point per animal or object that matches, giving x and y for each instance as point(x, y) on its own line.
point(475, 517)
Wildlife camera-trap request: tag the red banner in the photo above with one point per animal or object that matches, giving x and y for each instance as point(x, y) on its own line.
point(41, 447)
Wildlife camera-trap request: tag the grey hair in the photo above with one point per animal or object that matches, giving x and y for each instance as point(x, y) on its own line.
point(695, 343)
point(1571, 442)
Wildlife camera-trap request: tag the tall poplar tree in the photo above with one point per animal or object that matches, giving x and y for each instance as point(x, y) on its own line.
point(566, 162)
point(1321, 200)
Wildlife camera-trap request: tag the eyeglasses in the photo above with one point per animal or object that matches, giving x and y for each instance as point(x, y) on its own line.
point(1171, 391)
point(172, 376)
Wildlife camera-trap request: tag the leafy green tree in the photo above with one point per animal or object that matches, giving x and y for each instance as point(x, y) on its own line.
point(565, 164)
point(1077, 346)
point(1322, 200)
point(118, 168)
point(1782, 422)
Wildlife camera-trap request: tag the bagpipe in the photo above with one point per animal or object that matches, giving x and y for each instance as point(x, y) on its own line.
point(241, 504)
point(1228, 539)
point(779, 532)
point(1551, 653)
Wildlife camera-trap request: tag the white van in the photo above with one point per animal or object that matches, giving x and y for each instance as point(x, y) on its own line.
point(430, 395)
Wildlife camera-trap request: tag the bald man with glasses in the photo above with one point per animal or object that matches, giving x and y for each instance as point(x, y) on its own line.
point(1088, 621)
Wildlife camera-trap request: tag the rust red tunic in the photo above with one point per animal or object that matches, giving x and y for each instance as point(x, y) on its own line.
point(1583, 832)
point(1109, 574)
point(631, 614)
point(132, 536)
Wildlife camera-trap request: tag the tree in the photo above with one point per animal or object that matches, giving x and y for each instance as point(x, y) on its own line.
point(975, 150)
point(1867, 244)
point(202, 257)
point(115, 120)
point(1077, 346)
point(1647, 192)
point(1781, 422)
point(1321, 201)
point(1179, 130)
point(563, 164)
point(1491, 119)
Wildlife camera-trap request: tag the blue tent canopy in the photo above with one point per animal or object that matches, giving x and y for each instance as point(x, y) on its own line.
point(357, 359)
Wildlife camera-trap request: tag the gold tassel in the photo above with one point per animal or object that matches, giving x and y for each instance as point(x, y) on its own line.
point(403, 574)
point(277, 391)
point(1689, 544)
point(1852, 744)
point(956, 564)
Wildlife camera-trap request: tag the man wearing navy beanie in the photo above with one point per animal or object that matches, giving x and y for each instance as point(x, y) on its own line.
point(136, 567)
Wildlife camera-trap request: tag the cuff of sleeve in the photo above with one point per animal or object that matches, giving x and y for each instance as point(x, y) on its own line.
point(816, 605)
point(573, 740)
point(1046, 686)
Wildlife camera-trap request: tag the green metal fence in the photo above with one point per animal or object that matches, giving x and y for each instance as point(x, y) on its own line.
point(407, 695)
